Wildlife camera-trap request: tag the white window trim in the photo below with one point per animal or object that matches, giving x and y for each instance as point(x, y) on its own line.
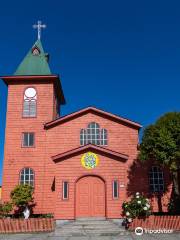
point(117, 189)
point(103, 138)
point(94, 135)
point(24, 181)
point(65, 198)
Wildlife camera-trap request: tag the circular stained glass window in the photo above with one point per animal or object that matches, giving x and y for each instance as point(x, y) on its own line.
point(89, 160)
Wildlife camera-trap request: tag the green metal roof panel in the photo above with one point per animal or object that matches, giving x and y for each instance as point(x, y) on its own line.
point(34, 64)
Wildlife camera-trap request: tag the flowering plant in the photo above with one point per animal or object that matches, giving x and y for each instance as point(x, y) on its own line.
point(136, 207)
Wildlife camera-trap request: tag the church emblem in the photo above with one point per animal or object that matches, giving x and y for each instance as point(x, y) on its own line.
point(89, 160)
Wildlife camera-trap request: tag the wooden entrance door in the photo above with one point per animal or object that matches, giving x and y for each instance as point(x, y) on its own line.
point(90, 197)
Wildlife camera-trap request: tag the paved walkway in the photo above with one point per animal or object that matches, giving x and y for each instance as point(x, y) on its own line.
point(90, 230)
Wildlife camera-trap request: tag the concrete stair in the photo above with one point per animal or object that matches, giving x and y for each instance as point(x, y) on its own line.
point(89, 227)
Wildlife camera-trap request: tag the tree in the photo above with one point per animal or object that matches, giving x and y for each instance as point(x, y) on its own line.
point(22, 195)
point(161, 142)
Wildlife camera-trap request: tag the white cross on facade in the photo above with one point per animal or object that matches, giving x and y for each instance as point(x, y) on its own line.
point(39, 25)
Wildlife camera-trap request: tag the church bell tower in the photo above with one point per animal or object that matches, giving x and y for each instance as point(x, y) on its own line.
point(34, 98)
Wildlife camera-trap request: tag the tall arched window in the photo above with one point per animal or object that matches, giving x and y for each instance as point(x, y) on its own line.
point(27, 176)
point(30, 99)
point(156, 179)
point(93, 133)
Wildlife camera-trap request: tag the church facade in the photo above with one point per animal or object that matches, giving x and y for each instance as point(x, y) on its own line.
point(80, 165)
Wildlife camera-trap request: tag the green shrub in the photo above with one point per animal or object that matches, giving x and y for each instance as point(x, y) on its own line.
point(22, 195)
point(5, 209)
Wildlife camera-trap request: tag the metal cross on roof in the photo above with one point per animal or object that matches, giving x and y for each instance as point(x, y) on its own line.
point(39, 25)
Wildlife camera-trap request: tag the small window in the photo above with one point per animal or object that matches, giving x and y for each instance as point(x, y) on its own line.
point(156, 179)
point(27, 176)
point(28, 140)
point(35, 51)
point(115, 189)
point(65, 190)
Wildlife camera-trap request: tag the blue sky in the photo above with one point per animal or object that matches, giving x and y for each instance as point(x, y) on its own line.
point(120, 56)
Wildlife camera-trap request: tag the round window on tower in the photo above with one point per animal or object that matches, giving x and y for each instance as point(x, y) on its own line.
point(30, 93)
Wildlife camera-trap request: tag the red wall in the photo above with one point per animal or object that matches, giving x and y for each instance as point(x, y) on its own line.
point(66, 136)
point(71, 170)
point(15, 156)
point(62, 138)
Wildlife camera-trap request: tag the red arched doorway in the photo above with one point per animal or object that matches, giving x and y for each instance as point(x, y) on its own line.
point(90, 197)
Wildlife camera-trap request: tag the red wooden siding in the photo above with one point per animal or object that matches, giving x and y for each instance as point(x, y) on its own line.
point(49, 175)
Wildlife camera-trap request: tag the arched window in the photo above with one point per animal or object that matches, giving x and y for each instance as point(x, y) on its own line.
point(156, 179)
point(36, 51)
point(30, 99)
point(27, 176)
point(93, 133)
point(103, 136)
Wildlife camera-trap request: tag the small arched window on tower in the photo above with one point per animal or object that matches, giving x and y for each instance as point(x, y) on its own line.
point(156, 179)
point(30, 102)
point(27, 176)
point(35, 51)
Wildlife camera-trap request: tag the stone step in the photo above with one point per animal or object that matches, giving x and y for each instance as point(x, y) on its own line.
point(89, 228)
point(103, 233)
point(87, 233)
point(91, 219)
point(90, 223)
point(69, 234)
point(106, 223)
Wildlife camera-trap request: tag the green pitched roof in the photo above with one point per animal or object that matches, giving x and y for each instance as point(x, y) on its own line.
point(34, 64)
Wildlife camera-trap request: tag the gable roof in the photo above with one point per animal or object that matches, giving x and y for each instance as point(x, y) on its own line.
point(89, 147)
point(95, 111)
point(34, 64)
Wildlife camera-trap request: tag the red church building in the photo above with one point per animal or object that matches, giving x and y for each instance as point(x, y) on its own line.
point(81, 165)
